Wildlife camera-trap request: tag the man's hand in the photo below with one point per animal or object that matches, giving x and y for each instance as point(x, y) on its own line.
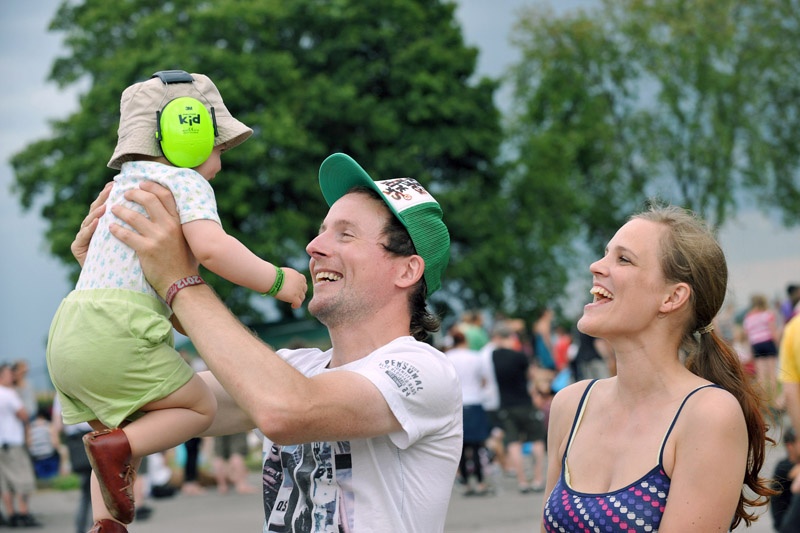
point(80, 246)
point(158, 240)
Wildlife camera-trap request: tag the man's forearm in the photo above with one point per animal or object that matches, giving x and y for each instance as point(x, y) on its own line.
point(251, 372)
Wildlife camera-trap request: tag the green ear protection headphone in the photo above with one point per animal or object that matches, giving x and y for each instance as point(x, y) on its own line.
point(184, 127)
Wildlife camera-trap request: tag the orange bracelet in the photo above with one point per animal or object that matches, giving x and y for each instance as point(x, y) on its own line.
point(180, 284)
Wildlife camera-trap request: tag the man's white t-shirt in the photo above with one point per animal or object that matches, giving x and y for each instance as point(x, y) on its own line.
point(399, 482)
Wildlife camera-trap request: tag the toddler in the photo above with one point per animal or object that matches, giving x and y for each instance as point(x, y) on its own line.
point(110, 350)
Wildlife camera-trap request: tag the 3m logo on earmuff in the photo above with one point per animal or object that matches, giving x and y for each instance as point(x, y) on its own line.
point(184, 127)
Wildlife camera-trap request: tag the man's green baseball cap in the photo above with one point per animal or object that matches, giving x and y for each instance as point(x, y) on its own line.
point(418, 211)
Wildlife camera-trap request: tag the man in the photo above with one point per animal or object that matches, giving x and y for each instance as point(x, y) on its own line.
point(789, 305)
point(473, 375)
point(365, 436)
point(79, 463)
point(785, 506)
point(789, 375)
point(789, 363)
point(17, 481)
point(518, 417)
point(591, 359)
point(23, 386)
point(471, 326)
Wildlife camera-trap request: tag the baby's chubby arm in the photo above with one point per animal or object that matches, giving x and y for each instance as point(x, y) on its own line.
point(227, 257)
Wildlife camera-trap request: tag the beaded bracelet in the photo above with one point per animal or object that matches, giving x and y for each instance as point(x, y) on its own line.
point(182, 284)
point(276, 287)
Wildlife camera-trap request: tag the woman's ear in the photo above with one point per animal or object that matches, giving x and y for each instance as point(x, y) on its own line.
point(676, 299)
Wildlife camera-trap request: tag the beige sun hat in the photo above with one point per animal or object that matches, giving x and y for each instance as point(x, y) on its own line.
point(140, 102)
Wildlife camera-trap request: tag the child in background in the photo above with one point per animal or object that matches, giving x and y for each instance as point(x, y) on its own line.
point(43, 445)
point(110, 351)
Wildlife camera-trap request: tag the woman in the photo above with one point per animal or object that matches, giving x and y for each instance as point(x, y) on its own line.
point(761, 326)
point(668, 443)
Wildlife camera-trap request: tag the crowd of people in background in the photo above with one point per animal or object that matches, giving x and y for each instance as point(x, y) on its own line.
point(495, 355)
point(509, 373)
point(36, 447)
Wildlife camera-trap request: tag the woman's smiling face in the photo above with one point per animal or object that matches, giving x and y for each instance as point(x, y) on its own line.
point(628, 282)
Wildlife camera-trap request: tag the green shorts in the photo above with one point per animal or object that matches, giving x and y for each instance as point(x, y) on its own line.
point(110, 352)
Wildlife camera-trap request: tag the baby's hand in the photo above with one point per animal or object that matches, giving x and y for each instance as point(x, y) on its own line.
point(294, 288)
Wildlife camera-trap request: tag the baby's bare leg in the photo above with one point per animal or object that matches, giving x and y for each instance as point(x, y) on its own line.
point(172, 420)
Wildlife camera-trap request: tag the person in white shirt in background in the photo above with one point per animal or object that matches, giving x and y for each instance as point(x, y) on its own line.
point(474, 377)
point(17, 480)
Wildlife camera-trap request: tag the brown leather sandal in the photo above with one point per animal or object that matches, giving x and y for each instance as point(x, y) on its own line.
point(108, 526)
point(110, 456)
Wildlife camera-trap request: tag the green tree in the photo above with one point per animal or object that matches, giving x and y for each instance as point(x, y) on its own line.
point(721, 72)
point(692, 102)
point(571, 137)
point(389, 82)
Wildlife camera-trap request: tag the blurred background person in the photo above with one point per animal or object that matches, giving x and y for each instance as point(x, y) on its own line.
point(543, 339)
point(74, 459)
point(785, 506)
point(191, 468)
point(761, 326)
point(789, 305)
point(43, 445)
point(473, 376)
point(17, 480)
point(472, 327)
point(518, 417)
point(230, 467)
point(592, 358)
point(24, 387)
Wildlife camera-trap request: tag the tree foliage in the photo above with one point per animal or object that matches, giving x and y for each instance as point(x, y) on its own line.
point(389, 82)
point(693, 102)
point(570, 137)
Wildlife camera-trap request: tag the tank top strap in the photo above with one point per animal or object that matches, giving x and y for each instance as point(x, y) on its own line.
point(577, 421)
point(675, 419)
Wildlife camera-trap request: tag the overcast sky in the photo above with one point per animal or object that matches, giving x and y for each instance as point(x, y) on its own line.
point(762, 256)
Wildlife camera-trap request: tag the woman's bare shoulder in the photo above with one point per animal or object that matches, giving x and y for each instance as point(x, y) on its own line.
point(712, 407)
point(565, 403)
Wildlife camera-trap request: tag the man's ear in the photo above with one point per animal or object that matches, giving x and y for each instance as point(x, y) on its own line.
point(411, 271)
point(676, 299)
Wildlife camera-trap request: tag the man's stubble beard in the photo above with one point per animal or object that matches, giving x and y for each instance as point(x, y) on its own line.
point(337, 310)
